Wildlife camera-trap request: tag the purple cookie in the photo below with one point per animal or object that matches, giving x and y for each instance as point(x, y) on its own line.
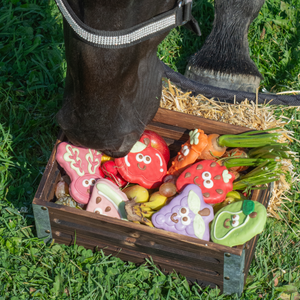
point(186, 214)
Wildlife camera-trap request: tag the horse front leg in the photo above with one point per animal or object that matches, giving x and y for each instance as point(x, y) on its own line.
point(224, 60)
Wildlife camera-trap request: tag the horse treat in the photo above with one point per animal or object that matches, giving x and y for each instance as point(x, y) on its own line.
point(82, 165)
point(190, 151)
point(107, 199)
point(186, 214)
point(156, 141)
point(143, 165)
point(238, 222)
point(215, 181)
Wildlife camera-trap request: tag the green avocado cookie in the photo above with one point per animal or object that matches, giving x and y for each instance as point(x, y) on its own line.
point(237, 223)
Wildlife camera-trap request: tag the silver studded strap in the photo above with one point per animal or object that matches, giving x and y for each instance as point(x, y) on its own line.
point(127, 37)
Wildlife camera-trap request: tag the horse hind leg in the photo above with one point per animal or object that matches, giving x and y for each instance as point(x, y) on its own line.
point(224, 59)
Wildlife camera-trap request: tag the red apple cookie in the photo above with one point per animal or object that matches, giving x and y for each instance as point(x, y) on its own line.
point(143, 165)
point(157, 142)
point(215, 181)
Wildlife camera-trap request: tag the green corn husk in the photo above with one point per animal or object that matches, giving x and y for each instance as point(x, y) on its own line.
point(259, 177)
point(250, 139)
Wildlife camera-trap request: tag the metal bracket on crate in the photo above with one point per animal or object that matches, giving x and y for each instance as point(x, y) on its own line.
point(42, 222)
point(233, 281)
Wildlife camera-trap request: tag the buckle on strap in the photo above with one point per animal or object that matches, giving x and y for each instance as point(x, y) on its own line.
point(187, 10)
point(187, 19)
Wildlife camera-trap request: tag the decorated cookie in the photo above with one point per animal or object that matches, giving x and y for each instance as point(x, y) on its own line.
point(143, 165)
point(82, 165)
point(215, 181)
point(111, 173)
point(156, 141)
point(186, 214)
point(238, 222)
point(189, 152)
point(107, 199)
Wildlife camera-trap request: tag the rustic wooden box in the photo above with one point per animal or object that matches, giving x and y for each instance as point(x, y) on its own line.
point(199, 261)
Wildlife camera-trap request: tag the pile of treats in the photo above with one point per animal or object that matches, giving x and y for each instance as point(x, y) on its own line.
point(246, 114)
point(203, 192)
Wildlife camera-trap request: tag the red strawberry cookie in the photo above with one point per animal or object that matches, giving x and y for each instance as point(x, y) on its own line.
point(215, 181)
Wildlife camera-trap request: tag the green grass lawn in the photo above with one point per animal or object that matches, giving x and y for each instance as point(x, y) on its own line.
point(32, 69)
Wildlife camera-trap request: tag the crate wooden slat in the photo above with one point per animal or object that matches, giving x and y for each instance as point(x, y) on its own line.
point(198, 260)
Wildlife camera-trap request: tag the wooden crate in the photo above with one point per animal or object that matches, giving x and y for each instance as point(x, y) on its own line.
point(200, 261)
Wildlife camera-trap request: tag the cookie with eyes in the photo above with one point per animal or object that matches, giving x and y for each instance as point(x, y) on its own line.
point(107, 199)
point(189, 152)
point(186, 214)
point(237, 223)
point(143, 165)
point(82, 166)
point(214, 180)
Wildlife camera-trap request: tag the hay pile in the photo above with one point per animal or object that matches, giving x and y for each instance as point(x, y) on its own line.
point(247, 114)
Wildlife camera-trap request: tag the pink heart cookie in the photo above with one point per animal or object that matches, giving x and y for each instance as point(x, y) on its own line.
point(107, 199)
point(82, 165)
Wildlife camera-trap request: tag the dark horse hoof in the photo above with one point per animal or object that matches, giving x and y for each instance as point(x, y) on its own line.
point(224, 60)
point(237, 82)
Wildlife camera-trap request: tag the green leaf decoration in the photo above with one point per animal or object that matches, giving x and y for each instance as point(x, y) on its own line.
point(194, 202)
point(199, 226)
point(248, 207)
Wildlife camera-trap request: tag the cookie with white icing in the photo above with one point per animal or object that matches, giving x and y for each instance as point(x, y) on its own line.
point(186, 214)
point(214, 180)
point(82, 166)
point(143, 165)
point(237, 223)
point(107, 199)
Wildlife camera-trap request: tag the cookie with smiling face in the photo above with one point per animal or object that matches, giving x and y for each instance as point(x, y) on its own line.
point(214, 180)
point(186, 214)
point(107, 199)
point(237, 223)
point(82, 166)
point(189, 152)
point(143, 165)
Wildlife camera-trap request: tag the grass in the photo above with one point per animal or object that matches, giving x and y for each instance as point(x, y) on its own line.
point(32, 70)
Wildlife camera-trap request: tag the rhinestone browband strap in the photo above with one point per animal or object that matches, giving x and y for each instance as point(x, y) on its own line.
point(180, 15)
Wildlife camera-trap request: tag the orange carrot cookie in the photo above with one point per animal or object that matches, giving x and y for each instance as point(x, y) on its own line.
point(189, 152)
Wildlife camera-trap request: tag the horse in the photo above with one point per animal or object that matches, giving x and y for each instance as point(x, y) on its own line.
point(223, 60)
point(113, 82)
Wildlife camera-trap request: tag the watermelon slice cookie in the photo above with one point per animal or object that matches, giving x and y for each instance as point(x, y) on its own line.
point(108, 200)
